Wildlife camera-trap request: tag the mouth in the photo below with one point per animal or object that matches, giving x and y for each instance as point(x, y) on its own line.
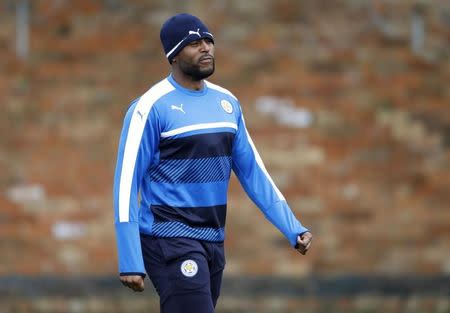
point(206, 59)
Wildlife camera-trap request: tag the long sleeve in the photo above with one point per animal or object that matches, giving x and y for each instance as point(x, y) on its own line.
point(258, 184)
point(138, 142)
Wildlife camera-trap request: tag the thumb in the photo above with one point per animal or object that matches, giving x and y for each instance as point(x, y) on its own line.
point(303, 240)
point(141, 283)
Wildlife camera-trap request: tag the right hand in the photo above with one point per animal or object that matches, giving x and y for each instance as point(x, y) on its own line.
point(134, 282)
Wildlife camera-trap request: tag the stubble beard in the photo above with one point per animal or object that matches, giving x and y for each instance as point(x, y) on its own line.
point(195, 72)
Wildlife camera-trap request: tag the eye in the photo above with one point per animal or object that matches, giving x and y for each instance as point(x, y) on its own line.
point(194, 43)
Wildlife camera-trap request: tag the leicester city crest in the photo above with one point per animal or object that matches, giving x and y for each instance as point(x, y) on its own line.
point(226, 106)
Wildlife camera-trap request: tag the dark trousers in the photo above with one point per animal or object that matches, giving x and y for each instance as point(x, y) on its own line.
point(186, 273)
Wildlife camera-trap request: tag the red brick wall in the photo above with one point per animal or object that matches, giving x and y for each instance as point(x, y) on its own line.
point(369, 175)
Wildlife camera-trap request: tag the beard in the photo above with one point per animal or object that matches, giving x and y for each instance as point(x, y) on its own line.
point(195, 71)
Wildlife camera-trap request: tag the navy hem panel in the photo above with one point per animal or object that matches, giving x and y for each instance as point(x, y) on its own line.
point(149, 236)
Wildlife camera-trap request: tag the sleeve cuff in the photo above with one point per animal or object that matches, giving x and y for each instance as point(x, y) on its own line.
point(129, 248)
point(132, 273)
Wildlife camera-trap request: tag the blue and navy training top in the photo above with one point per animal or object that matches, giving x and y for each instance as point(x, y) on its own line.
point(176, 152)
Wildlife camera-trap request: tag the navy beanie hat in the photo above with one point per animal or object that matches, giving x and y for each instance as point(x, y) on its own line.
point(180, 30)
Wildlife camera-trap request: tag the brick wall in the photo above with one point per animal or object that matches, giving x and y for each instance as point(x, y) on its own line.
point(368, 172)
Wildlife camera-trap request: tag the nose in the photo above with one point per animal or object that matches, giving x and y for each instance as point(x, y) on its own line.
point(205, 45)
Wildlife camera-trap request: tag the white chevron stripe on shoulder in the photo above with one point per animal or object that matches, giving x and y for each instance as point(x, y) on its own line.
point(133, 141)
point(152, 95)
point(218, 88)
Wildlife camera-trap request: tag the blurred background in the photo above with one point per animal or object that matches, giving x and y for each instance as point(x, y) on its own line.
point(347, 101)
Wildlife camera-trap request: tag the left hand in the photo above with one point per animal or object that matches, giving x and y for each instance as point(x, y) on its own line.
point(304, 242)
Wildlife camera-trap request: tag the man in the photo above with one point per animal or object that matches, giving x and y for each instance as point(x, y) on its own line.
point(179, 143)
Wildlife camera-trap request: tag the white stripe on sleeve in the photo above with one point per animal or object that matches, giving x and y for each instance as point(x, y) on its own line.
point(260, 163)
point(135, 131)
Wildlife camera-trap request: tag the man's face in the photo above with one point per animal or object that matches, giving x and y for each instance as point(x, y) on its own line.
point(196, 60)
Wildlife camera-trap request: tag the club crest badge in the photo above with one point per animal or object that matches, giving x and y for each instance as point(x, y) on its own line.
point(189, 268)
point(226, 106)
